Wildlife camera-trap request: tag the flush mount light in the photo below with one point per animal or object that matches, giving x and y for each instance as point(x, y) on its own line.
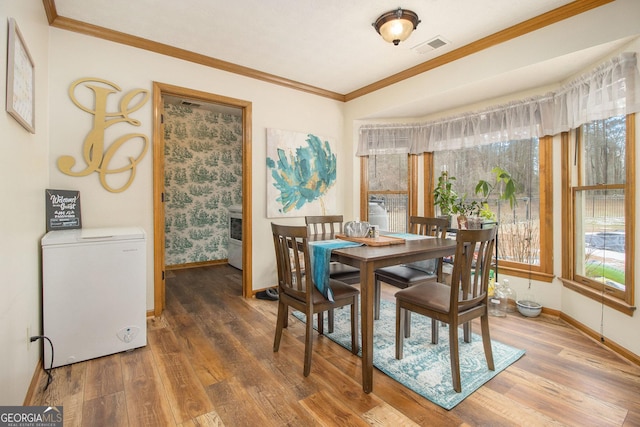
point(397, 25)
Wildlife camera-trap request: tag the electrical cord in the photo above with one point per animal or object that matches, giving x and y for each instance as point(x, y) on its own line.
point(47, 371)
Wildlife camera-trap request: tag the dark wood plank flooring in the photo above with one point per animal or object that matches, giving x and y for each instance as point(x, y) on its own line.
point(209, 362)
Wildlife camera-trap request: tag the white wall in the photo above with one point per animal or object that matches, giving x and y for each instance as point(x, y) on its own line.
point(462, 84)
point(23, 179)
point(75, 56)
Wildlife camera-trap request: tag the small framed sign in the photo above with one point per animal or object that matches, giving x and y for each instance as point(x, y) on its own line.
point(20, 79)
point(63, 209)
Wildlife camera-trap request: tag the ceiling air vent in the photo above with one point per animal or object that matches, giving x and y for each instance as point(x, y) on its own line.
point(430, 45)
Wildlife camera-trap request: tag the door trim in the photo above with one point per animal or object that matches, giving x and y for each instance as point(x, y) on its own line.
point(159, 90)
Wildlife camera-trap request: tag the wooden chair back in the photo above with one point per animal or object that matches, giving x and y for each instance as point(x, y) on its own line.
point(472, 263)
point(427, 226)
point(327, 225)
point(292, 257)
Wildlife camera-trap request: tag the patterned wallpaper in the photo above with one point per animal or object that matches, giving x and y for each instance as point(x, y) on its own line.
point(203, 177)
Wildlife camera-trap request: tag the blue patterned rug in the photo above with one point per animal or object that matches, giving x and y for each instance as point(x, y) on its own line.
point(425, 367)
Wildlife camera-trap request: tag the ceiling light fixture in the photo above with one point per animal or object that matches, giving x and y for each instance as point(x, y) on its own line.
point(397, 25)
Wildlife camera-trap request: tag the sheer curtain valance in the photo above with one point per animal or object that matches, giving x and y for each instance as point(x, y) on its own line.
point(611, 89)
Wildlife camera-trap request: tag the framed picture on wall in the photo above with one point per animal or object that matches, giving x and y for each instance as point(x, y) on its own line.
point(20, 79)
point(301, 174)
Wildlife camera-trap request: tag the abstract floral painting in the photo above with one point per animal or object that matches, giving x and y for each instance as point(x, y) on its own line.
point(301, 174)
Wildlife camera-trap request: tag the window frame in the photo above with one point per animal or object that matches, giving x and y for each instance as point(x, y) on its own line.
point(544, 271)
point(412, 190)
point(583, 286)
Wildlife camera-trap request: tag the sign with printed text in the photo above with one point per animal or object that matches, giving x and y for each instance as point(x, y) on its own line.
point(32, 416)
point(63, 209)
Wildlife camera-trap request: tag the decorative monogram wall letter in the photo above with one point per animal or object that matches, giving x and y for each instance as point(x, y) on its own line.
point(93, 151)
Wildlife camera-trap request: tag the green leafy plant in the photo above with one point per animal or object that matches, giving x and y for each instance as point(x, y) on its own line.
point(465, 208)
point(485, 212)
point(504, 184)
point(444, 196)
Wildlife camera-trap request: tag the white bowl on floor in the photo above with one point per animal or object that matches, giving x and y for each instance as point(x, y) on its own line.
point(529, 308)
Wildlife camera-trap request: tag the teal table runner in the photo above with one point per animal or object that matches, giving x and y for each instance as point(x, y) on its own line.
point(320, 255)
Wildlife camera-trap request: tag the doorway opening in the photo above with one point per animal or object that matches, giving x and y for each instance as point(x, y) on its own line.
point(220, 107)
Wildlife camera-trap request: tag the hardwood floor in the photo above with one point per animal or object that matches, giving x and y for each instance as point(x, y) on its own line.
point(209, 362)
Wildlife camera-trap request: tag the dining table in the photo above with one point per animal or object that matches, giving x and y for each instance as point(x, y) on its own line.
point(368, 258)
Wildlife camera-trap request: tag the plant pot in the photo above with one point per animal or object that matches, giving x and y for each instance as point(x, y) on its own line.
point(453, 221)
point(474, 223)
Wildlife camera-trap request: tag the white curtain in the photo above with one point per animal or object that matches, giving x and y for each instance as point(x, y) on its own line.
point(611, 89)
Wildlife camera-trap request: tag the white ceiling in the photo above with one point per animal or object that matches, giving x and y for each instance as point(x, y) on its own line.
point(327, 44)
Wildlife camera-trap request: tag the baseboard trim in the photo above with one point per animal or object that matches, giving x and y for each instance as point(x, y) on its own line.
point(35, 380)
point(612, 345)
point(551, 312)
point(196, 264)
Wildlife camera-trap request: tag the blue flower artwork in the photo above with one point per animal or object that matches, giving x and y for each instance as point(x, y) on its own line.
point(301, 173)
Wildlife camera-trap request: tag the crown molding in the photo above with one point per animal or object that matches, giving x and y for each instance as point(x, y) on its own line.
point(559, 14)
point(80, 27)
point(553, 16)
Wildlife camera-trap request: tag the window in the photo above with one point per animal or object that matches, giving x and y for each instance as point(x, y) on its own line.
point(387, 190)
point(524, 232)
point(599, 204)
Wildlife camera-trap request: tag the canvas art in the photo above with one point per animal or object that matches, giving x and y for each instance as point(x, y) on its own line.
point(301, 174)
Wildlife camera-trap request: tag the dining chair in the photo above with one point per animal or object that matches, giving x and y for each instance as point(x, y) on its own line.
point(405, 275)
point(326, 227)
point(458, 304)
point(297, 290)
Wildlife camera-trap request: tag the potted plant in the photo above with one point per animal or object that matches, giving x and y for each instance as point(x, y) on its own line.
point(504, 184)
point(465, 210)
point(444, 195)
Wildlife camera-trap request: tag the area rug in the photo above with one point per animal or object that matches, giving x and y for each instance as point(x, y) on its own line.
point(425, 367)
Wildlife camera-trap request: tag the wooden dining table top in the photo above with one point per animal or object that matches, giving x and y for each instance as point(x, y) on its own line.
point(409, 251)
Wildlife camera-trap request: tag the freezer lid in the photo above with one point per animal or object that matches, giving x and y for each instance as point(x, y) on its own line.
point(88, 235)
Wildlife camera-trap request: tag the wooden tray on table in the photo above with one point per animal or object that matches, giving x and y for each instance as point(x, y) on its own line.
point(373, 241)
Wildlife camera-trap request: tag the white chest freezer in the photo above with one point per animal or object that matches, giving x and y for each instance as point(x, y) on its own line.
point(93, 292)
